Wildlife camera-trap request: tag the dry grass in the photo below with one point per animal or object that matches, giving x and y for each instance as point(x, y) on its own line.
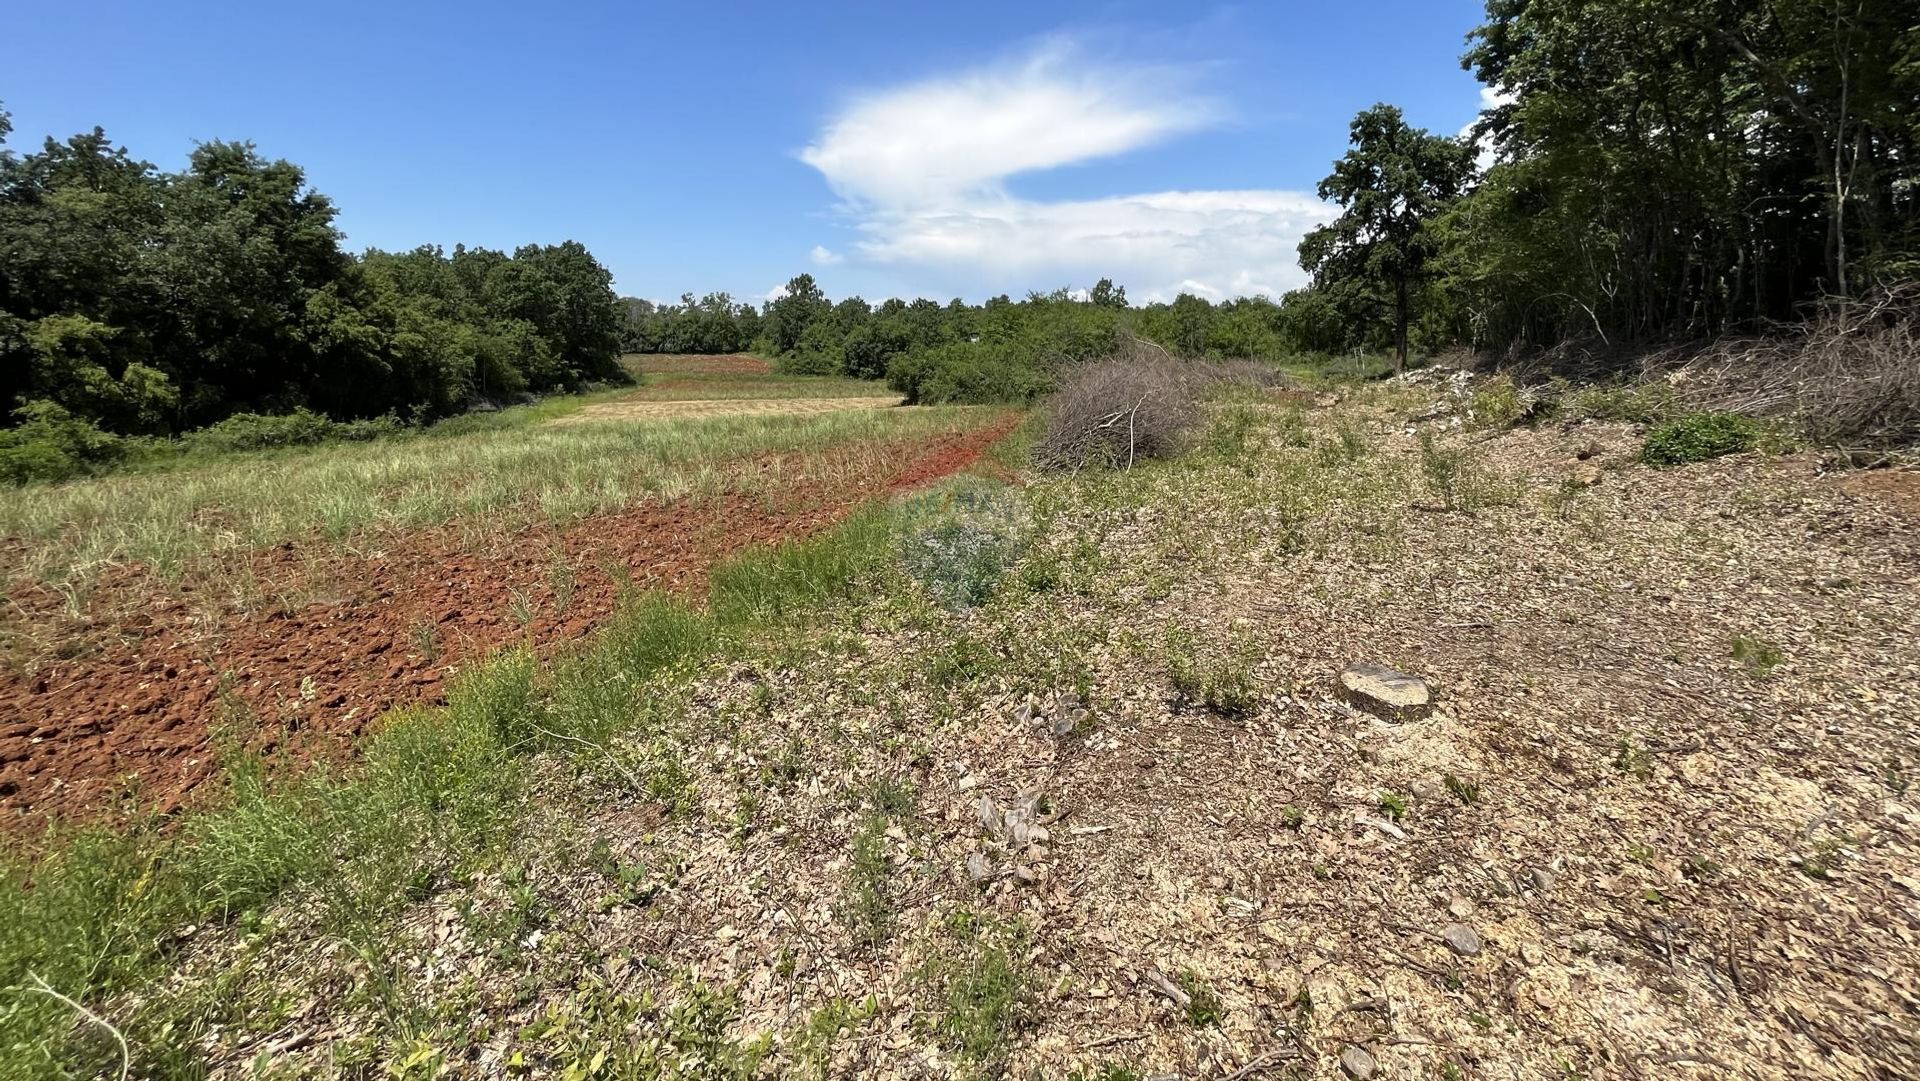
point(1849, 378)
point(634, 410)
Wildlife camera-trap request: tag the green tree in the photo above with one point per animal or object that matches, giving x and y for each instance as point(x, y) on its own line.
point(800, 306)
point(1394, 181)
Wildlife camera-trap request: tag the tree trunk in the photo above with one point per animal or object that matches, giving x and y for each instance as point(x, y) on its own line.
point(1400, 326)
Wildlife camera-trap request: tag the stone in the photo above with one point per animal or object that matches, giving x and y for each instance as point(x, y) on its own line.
point(1543, 879)
point(1357, 1064)
point(1382, 689)
point(977, 868)
point(1461, 939)
point(1459, 907)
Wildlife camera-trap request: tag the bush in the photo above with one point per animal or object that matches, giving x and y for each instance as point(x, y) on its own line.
point(966, 373)
point(302, 427)
point(1121, 411)
point(51, 444)
point(1696, 437)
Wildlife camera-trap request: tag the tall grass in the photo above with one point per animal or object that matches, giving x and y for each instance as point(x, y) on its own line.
point(500, 479)
point(437, 795)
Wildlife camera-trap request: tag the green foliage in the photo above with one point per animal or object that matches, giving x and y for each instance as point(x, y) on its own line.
point(1222, 680)
point(150, 303)
point(1203, 1009)
point(1698, 437)
point(49, 443)
point(302, 427)
point(1638, 141)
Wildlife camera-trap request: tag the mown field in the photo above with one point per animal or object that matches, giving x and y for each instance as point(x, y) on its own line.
point(1056, 779)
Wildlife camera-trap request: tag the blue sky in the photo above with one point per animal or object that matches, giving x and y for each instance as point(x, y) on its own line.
point(888, 148)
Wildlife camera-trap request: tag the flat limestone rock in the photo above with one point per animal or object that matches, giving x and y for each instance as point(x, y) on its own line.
point(1384, 690)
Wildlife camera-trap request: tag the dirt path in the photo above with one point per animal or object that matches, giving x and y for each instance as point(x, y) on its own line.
point(139, 715)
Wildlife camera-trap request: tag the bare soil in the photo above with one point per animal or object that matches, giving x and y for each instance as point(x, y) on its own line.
point(132, 723)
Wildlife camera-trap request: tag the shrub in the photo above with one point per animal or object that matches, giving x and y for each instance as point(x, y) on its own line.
point(1121, 411)
point(52, 444)
point(959, 562)
point(1498, 404)
point(302, 427)
point(966, 373)
point(1697, 437)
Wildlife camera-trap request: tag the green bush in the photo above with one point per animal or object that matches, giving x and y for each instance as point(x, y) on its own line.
point(51, 444)
point(1697, 437)
point(302, 427)
point(967, 373)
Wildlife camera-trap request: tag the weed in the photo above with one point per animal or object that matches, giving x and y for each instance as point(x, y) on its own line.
point(1461, 483)
point(1498, 404)
point(869, 906)
point(1292, 817)
point(425, 636)
point(1221, 680)
point(1760, 658)
point(961, 563)
point(1697, 437)
point(520, 607)
point(1107, 1071)
point(980, 988)
point(1203, 1008)
point(1465, 791)
point(1393, 805)
point(561, 582)
point(1633, 761)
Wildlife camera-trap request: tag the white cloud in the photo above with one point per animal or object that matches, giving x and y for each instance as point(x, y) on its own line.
point(1490, 98)
point(823, 256)
point(921, 170)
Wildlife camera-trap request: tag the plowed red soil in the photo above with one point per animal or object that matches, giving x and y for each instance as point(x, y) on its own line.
point(138, 715)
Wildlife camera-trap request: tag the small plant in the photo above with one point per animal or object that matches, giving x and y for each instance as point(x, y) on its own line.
point(425, 636)
point(1465, 791)
point(869, 905)
point(1641, 854)
point(1498, 404)
point(980, 988)
point(1760, 658)
point(562, 583)
point(1292, 817)
point(1633, 761)
point(1698, 437)
point(959, 562)
point(1203, 1008)
point(1107, 1071)
point(520, 607)
point(1393, 805)
point(1220, 681)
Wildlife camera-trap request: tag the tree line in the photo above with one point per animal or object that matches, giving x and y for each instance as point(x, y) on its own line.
point(1662, 170)
point(137, 302)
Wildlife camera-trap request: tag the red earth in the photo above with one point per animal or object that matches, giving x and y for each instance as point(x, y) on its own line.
point(137, 715)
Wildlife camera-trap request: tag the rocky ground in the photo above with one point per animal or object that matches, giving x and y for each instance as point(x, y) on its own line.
point(1079, 791)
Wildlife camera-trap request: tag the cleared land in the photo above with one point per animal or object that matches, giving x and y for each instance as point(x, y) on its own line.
point(1057, 780)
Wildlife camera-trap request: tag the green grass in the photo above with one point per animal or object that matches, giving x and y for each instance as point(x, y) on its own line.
point(439, 794)
point(499, 476)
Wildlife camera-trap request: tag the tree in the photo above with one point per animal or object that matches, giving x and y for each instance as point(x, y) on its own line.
point(798, 307)
point(1391, 184)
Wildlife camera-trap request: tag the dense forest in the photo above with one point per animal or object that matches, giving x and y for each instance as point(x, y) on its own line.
point(1654, 171)
point(135, 302)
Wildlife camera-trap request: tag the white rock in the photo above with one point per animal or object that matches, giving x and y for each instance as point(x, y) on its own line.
point(1381, 688)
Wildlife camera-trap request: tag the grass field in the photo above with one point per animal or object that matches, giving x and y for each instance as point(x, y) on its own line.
point(501, 472)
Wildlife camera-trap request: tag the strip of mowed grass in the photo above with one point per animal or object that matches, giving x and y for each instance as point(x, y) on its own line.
point(96, 922)
point(500, 474)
